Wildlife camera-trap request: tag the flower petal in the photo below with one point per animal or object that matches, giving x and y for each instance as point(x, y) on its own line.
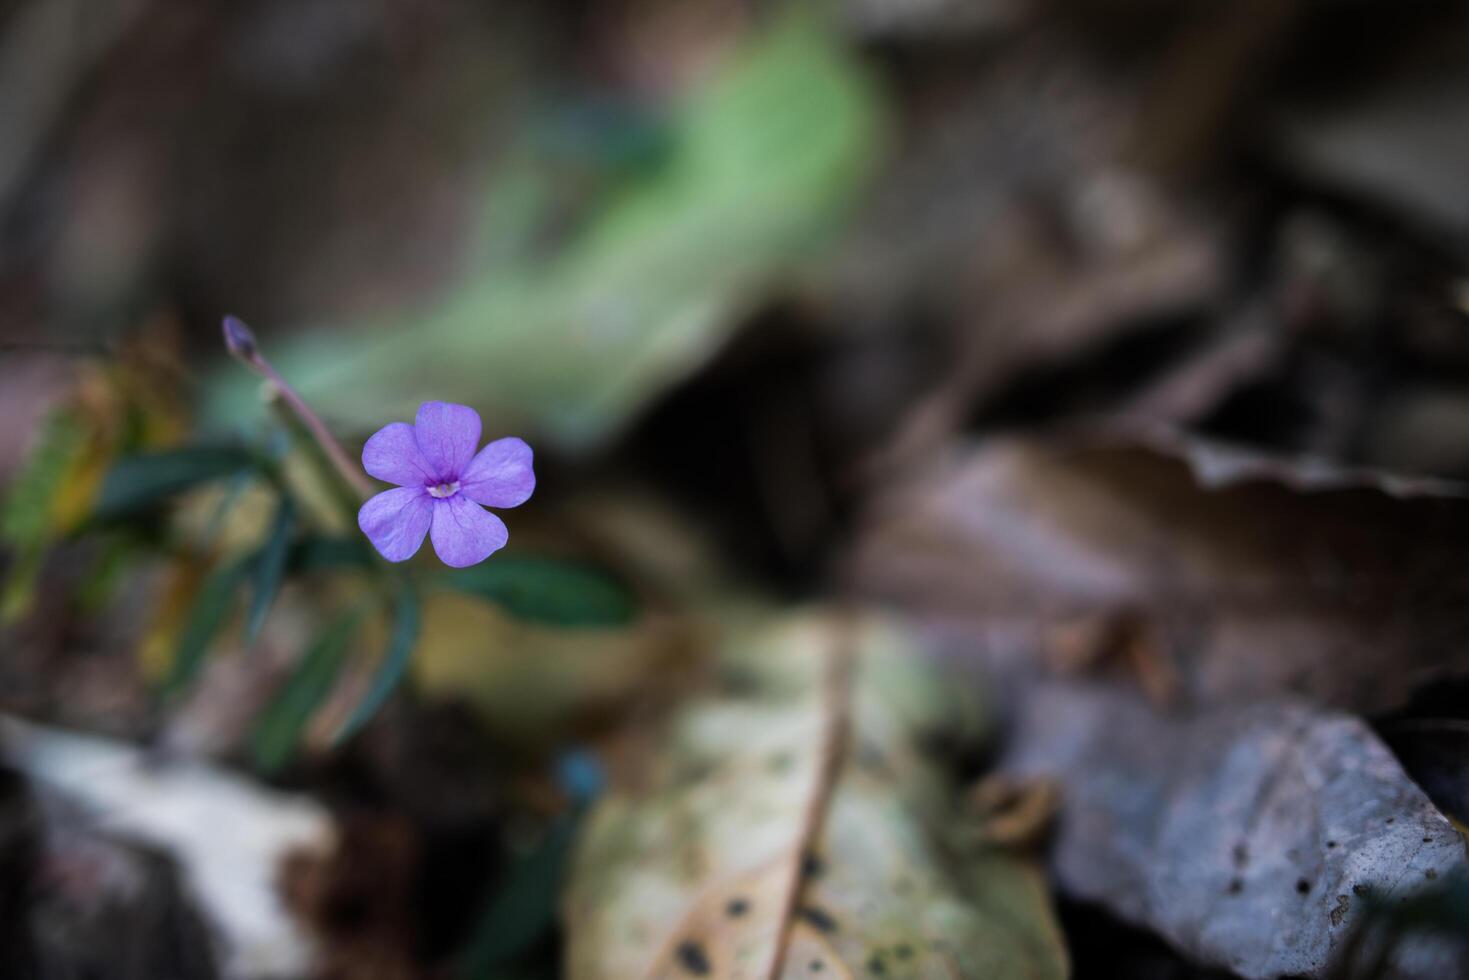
point(395, 521)
point(392, 455)
point(464, 533)
point(500, 475)
point(448, 435)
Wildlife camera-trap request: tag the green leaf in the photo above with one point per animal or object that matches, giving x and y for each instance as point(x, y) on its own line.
point(110, 568)
point(136, 482)
point(270, 566)
point(547, 591)
point(211, 607)
point(278, 730)
point(394, 664)
point(523, 908)
point(760, 165)
point(319, 554)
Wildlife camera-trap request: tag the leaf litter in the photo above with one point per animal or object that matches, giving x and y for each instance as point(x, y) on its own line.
point(1258, 575)
point(1172, 622)
point(797, 824)
point(1244, 219)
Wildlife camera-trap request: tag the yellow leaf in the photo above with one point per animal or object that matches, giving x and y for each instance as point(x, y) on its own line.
point(159, 642)
point(527, 681)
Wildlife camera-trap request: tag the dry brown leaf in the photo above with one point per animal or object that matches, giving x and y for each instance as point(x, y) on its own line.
point(1260, 575)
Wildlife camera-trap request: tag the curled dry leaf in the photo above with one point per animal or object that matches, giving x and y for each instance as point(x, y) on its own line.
point(798, 824)
point(1253, 576)
point(1217, 466)
point(1251, 837)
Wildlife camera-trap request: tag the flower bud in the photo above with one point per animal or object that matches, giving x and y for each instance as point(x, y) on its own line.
point(238, 338)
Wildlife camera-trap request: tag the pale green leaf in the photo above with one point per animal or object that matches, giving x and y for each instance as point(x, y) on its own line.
point(798, 823)
point(758, 165)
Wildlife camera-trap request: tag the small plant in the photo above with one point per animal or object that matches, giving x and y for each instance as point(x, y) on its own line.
point(195, 504)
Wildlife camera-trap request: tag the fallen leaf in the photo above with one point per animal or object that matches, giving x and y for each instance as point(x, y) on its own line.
point(1255, 576)
point(1248, 836)
point(798, 824)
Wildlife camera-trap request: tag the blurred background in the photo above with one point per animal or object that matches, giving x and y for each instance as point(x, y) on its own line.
point(1115, 340)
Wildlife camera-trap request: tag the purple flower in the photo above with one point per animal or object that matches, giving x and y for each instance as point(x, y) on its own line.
point(442, 482)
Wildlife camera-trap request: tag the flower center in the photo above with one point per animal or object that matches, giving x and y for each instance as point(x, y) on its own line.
point(443, 490)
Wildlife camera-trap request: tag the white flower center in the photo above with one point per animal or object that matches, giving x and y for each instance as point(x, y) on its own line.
point(443, 490)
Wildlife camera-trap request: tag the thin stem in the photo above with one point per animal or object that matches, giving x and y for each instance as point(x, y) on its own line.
point(241, 343)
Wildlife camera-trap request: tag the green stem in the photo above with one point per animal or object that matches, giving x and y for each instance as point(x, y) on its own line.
point(241, 343)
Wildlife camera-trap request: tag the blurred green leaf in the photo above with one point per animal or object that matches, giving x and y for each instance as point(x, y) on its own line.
point(320, 554)
point(760, 164)
point(110, 568)
point(270, 567)
point(523, 908)
point(547, 591)
point(135, 482)
point(394, 663)
point(278, 730)
point(211, 607)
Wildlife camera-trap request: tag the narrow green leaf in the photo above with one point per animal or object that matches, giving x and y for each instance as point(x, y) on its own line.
point(318, 554)
point(278, 730)
point(135, 482)
point(270, 566)
point(544, 590)
point(394, 664)
point(108, 571)
point(523, 909)
point(234, 492)
point(211, 607)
